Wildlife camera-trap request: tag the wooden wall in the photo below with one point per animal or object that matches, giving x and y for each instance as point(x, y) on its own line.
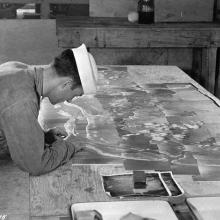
point(29, 41)
point(146, 56)
point(19, 42)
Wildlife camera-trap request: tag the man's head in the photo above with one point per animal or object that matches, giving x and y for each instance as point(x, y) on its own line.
point(61, 79)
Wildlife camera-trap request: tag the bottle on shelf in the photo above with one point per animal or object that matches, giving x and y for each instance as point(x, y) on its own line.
point(146, 11)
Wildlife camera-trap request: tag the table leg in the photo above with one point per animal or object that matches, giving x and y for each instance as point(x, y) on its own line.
point(208, 72)
point(204, 67)
point(217, 85)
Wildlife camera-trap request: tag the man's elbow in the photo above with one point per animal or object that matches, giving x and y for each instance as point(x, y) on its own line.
point(36, 170)
point(39, 170)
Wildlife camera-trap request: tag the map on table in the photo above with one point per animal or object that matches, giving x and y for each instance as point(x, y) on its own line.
point(167, 126)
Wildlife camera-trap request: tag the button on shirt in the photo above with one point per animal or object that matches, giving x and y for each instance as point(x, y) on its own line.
point(21, 88)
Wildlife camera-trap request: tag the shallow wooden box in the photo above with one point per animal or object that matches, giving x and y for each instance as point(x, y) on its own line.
point(183, 10)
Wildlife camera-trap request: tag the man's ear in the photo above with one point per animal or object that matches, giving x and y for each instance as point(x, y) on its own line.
point(68, 84)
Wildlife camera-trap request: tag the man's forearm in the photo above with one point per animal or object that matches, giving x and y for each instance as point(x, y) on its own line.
point(54, 156)
point(26, 141)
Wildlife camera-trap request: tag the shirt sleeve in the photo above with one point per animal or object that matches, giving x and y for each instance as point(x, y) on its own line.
point(25, 140)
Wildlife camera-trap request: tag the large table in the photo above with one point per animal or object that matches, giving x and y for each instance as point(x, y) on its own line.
point(142, 118)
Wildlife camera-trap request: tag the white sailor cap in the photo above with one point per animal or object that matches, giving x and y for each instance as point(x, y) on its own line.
point(87, 69)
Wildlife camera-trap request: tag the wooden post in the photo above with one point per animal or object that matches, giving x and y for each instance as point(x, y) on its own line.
point(208, 73)
point(217, 10)
point(217, 85)
point(45, 9)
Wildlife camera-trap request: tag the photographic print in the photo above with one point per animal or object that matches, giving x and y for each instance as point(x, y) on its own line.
point(124, 210)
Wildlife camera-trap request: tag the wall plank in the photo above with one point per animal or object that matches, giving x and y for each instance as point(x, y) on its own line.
point(126, 56)
point(183, 10)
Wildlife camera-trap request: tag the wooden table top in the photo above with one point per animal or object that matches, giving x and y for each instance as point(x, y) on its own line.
point(142, 117)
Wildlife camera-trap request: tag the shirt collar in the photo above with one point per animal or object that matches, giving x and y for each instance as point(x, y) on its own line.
point(38, 79)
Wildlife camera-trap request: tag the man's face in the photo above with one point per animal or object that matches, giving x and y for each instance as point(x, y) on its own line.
point(64, 92)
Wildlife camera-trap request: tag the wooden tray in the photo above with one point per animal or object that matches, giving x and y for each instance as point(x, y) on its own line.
point(205, 208)
point(156, 210)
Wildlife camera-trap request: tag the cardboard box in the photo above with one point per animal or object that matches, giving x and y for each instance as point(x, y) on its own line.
point(183, 10)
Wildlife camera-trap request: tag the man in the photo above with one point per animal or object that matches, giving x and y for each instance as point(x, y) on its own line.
point(21, 88)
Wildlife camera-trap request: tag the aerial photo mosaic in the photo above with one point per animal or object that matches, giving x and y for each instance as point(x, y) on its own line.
point(159, 126)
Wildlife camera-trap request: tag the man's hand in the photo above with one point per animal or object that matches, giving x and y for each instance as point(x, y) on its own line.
point(59, 132)
point(55, 134)
point(78, 142)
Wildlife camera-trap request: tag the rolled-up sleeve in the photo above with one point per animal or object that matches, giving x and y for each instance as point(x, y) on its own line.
point(25, 140)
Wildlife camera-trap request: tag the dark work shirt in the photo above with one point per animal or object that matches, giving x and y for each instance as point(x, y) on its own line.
point(21, 88)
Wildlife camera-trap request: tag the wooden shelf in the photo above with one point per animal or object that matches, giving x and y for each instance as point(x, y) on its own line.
point(117, 21)
point(118, 33)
